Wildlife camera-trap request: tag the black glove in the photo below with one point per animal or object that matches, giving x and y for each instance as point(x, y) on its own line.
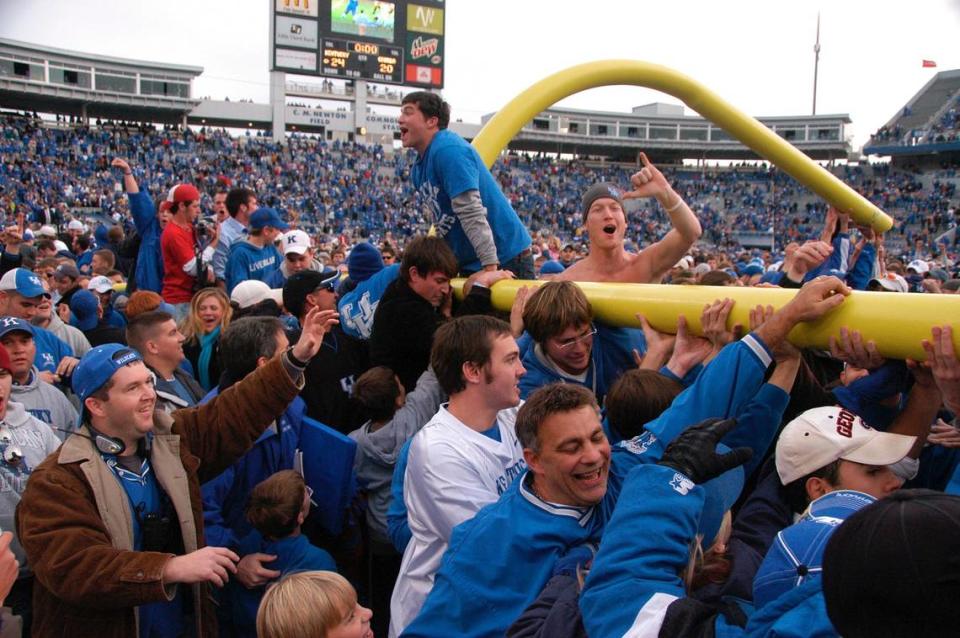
point(694, 453)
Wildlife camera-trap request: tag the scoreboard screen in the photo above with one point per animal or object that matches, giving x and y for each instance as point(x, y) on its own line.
point(398, 42)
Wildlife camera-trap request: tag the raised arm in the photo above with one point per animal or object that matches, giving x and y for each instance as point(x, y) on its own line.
point(650, 182)
point(221, 431)
point(129, 181)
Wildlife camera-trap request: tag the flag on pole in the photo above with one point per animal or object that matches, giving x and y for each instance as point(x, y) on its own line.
point(929, 64)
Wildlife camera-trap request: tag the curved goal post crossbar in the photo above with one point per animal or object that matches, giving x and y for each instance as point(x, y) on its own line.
point(508, 121)
point(897, 322)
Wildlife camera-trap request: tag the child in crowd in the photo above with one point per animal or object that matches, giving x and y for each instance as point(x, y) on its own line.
point(277, 508)
point(315, 604)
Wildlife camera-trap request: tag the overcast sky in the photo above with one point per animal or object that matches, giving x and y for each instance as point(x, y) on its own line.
point(756, 54)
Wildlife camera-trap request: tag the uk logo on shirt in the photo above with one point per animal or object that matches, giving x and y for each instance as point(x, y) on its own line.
point(681, 484)
point(430, 199)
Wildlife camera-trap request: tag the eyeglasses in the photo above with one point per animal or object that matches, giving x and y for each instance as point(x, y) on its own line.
point(310, 495)
point(566, 344)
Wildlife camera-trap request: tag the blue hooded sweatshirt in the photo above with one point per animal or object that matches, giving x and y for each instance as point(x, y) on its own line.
point(247, 261)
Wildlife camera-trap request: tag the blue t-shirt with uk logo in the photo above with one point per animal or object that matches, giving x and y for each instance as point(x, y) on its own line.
point(451, 167)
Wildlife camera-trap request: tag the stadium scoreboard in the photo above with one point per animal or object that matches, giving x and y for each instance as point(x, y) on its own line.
point(398, 42)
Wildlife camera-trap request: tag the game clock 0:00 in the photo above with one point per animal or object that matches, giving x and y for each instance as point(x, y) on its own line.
point(361, 61)
point(394, 42)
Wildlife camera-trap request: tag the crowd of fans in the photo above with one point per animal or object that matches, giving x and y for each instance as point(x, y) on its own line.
point(339, 188)
point(239, 397)
point(939, 130)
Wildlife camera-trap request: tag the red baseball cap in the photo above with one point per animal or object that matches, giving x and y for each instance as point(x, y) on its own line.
point(183, 193)
point(5, 360)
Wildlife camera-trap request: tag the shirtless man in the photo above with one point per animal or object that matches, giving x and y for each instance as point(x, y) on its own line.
point(605, 221)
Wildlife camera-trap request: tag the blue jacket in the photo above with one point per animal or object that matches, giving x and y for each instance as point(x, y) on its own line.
point(634, 582)
point(799, 613)
point(225, 497)
point(356, 308)
point(247, 261)
point(397, 527)
point(113, 318)
point(83, 261)
point(50, 349)
point(860, 274)
point(838, 261)
point(149, 273)
point(294, 554)
point(611, 355)
point(555, 613)
point(863, 397)
point(450, 167)
point(276, 279)
point(474, 594)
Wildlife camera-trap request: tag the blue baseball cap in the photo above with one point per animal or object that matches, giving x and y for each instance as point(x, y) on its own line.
point(12, 324)
point(797, 551)
point(263, 217)
point(98, 366)
point(551, 267)
point(23, 282)
point(83, 305)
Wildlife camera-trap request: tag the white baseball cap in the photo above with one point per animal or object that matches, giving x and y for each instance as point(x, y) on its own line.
point(252, 291)
point(295, 241)
point(892, 282)
point(100, 284)
point(47, 231)
point(75, 224)
point(920, 266)
point(820, 436)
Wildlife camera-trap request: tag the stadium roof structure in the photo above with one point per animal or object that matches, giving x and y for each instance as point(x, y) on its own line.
point(52, 80)
point(673, 135)
point(914, 120)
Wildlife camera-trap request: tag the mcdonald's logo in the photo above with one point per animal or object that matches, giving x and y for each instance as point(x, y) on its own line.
point(298, 7)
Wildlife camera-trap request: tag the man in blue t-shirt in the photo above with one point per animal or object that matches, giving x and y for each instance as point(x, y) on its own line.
point(466, 205)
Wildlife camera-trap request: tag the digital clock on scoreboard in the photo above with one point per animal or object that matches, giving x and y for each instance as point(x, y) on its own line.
point(362, 61)
point(389, 41)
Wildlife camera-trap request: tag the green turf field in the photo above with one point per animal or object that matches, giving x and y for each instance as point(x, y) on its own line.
point(368, 18)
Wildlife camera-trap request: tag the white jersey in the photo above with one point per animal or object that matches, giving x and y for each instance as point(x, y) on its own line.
point(452, 472)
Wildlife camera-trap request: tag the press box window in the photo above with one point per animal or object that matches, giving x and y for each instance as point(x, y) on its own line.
point(70, 77)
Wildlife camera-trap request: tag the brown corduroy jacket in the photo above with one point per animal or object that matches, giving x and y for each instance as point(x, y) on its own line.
point(76, 525)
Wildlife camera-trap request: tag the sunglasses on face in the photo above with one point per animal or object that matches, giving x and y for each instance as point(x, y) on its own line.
point(330, 286)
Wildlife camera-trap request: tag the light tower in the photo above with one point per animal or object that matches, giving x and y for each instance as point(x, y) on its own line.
point(816, 64)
